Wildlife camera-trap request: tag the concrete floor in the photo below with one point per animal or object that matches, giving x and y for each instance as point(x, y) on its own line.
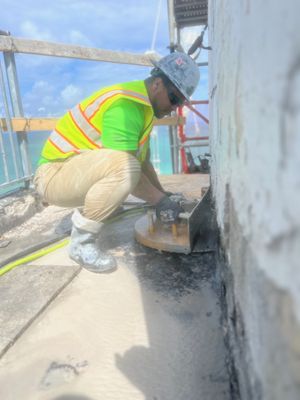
point(151, 330)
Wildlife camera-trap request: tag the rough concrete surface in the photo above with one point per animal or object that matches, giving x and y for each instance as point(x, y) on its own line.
point(45, 224)
point(150, 330)
point(254, 303)
point(255, 147)
point(48, 225)
point(24, 293)
point(17, 208)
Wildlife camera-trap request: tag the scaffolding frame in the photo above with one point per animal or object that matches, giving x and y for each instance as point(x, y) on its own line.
point(14, 122)
point(185, 13)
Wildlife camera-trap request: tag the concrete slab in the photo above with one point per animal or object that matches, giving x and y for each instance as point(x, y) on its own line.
point(59, 257)
point(150, 330)
point(54, 223)
point(24, 294)
point(190, 185)
point(46, 227)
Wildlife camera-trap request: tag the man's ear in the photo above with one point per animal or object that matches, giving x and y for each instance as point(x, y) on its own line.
point(157, 85)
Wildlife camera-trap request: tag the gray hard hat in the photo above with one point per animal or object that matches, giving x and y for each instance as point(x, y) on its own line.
point(181, 70)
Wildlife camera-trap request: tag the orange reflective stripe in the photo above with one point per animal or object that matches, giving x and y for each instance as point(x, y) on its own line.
point(94, 106)
point(61, 142)
point(99, 105)
point(88, 121)
point(57, 148)
point(140, 150)
point(144, 141)
point(85, 128)
point(146, 133)
point(82, 125)
point(141, 142)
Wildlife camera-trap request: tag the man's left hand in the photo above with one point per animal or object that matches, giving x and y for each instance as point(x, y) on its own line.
point(167, 211)
point(178, 197)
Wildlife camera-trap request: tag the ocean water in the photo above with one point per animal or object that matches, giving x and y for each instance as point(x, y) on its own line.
point(36, 141)
point(160, 153)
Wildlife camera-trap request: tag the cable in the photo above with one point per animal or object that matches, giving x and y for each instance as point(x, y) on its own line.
point(158, 12)
point(31, 257)
point(46, 250)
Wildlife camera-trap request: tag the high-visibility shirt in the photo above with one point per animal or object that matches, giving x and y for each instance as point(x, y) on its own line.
point(119, 117)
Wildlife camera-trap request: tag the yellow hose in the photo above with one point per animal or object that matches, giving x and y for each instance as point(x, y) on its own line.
point(47, 250)
point(33, 256)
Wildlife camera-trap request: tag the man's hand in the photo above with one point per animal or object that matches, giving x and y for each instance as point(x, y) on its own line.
point(178, 197)
point(167, 211)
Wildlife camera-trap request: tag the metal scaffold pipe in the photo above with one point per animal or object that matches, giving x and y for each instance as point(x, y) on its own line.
point(12, 78)
point(9, 126)
point(171, 23)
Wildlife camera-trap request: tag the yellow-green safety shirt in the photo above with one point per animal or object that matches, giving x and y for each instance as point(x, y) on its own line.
point(118, 117)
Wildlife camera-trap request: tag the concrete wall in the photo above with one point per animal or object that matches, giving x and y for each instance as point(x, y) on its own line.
point(18, 208)
point(255, 143)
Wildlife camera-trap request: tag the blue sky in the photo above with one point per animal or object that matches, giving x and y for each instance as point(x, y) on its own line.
point(50, 85)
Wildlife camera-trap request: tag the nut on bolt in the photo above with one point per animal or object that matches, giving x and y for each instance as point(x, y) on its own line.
point(174, 230)
point(150, 221)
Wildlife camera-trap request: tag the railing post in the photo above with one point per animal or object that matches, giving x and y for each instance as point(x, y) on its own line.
point(9, 129)
point(17, 108)
point(182, 137)
point(174, 148)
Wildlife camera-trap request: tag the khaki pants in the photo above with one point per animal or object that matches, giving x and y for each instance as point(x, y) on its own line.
point(98, 180)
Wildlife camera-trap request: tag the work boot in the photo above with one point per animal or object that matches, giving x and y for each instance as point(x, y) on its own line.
point(85, 245)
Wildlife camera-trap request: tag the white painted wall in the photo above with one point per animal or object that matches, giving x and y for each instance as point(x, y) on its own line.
point(255, 127)
point(255, 142)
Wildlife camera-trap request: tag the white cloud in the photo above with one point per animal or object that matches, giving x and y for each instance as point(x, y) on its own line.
point(126, 25)
point(50, 85)
point(78, 38)
point(40, 85)
point(39, 98)
point(30, 30)
point(71, 95)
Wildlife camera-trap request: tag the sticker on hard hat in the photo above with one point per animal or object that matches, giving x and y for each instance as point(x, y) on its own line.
point(179, 61)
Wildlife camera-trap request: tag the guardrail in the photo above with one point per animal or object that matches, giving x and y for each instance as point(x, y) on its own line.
point(14, 121)
point(47, 124)
point(183, 138)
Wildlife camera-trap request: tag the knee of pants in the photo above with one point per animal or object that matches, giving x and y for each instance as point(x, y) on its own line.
point(43, 176)
point(131, 172)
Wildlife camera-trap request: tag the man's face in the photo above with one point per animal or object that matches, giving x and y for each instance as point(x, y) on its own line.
point(166, 99)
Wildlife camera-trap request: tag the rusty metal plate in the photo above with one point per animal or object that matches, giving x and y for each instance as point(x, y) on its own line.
point(179, 238)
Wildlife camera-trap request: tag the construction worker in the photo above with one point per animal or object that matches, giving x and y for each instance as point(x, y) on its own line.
point(98, 154)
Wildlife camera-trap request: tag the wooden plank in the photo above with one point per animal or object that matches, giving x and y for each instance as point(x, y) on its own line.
point(47, 124)
point(30, 124)
point(38, 47)
point(171, 121)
